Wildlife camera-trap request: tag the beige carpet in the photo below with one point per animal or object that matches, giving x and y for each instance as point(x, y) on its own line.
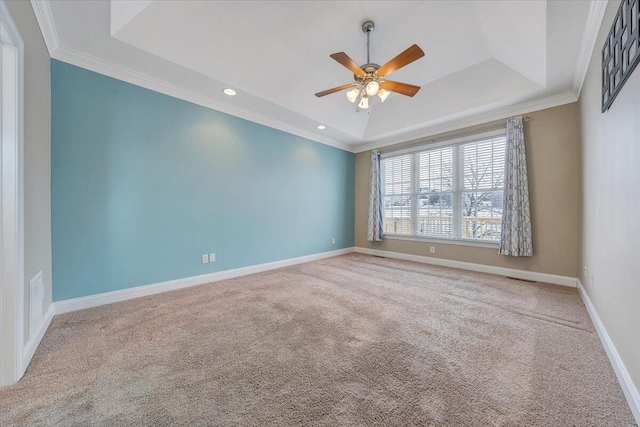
point(351, 340)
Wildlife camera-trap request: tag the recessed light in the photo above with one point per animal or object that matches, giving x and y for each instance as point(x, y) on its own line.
point(321, 127)
point(229, 92)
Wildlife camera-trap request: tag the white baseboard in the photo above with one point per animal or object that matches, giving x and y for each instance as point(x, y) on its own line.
point(628, 388)
point(32, 345)
point(500, 271)
point(172, 285)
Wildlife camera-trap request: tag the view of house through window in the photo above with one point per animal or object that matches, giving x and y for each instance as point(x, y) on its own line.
point(448, 192)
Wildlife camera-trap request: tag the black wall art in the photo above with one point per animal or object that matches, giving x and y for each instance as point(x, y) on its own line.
point(621, 51)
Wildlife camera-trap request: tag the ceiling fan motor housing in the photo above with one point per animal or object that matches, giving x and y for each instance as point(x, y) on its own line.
point(366, 76)
point(368, 26)
point(370, 69)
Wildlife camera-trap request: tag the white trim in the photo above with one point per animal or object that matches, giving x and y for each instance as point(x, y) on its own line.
point(595, 16)
point(12, 286)
point(450, 123)
point(110, 69)
point(172, 285)
point(80, 59)
point(32, 345)
point(626, 383)
point(481, 268)
point(83, 60)
point(458, 242)
point(464, 120)
point(431, 144)
point(47, 24)
point(457, 191)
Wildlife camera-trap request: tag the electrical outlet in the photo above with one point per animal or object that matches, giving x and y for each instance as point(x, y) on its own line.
point(212, 257)
point(205, 258)
point(432, 249)
point(333, 241)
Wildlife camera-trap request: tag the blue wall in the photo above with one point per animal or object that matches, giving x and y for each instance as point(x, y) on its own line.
point(143, 184)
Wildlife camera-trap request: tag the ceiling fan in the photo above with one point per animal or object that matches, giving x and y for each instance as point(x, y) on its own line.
point(369, 78)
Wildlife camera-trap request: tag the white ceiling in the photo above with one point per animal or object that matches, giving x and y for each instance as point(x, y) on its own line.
point(483, 59)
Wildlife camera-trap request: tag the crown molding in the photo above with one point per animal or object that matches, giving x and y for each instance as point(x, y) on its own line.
point(44, 16)
point(110, 69)
point(468, 120)
point(47, 25)
point(10, 36)
point(595, 16)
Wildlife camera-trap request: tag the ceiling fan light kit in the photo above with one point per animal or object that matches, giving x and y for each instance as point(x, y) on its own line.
point(383, 94)
point(352, 94)
point(369, 77)
point(364, 102)
point(372, 88)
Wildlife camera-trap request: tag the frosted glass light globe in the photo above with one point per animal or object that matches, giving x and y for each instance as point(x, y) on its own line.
point(364, 103)
point(372, 88)
point(352, 95)
point(383, 94)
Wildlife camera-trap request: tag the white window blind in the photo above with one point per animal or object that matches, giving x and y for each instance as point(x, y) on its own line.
point(447, 192)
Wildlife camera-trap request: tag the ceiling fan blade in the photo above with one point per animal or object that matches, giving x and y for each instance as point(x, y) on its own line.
point(335, 89)
point(403, 88)
point(407, 57)
point(346, 61)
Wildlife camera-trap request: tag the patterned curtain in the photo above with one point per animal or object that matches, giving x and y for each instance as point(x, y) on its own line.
point(516, 220)
point(375, 228)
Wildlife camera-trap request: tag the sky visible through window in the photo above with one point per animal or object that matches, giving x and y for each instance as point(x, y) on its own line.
point(451, 192)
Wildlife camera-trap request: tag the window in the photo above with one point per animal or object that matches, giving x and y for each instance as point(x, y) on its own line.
point(450, 191)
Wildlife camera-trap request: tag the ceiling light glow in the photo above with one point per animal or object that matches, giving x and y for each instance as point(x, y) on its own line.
point(372, 88)
point(229, 92)
point(352, 94)
point(321, 127)
point(383, 94)
point(364, 103)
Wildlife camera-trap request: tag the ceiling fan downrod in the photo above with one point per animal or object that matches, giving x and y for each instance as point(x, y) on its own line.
point(367, 27)
point(370, 79)
point(369, 68)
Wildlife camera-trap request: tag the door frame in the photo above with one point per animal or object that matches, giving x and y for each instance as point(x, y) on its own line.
point(12, 287)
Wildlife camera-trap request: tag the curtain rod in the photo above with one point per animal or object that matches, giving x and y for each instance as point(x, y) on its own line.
point(450, 135)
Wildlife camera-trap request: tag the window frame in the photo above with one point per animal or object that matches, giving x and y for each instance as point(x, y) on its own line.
point(457, 190)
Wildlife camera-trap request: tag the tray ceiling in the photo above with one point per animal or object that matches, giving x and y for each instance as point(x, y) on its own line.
point(484, 59)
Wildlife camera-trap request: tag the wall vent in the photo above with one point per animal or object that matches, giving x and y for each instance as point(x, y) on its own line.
point(36, 301)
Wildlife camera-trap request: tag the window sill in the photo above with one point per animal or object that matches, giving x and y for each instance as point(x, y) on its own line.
point(459, 242)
